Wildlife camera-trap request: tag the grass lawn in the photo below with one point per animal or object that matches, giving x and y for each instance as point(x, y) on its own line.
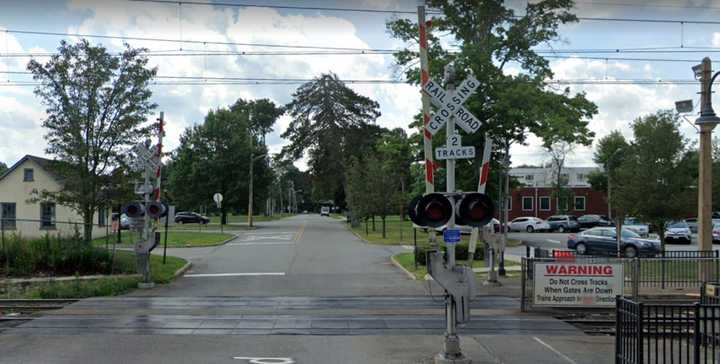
point(407, 260)
point(399, 232)
point(176, 239)
point(112, 286)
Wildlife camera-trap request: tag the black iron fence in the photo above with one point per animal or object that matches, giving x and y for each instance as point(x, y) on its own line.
point(666, 333)
point(646, 275)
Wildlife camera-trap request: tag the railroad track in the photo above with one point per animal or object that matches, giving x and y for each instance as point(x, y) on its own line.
point(32, 305)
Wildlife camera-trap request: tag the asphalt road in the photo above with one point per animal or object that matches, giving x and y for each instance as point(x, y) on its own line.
point(297, 290)
point(305, 255)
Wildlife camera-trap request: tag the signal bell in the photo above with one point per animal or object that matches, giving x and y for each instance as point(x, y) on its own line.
point(475, 209)
point(433, 210)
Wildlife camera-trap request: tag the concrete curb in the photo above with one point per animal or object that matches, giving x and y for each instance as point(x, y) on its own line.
point(182, 270)
point(407, 272)
point(65, 278)
point(234, 236)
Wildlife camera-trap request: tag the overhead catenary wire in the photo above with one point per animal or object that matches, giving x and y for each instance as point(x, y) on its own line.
point(400, 11)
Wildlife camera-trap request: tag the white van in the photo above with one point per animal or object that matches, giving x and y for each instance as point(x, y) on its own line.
point(325, 211)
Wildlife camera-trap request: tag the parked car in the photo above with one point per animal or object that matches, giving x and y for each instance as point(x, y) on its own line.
point(678, 232)
point(716, 234)
point(124, 220)
point(563, 223)
point(185, 217)
point(591, 221)
point(528, 224)
point(603, 241)
point(692, 224)
point(635, 225)
point(325, 211)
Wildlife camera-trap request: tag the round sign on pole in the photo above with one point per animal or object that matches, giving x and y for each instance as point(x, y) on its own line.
point(218, 197)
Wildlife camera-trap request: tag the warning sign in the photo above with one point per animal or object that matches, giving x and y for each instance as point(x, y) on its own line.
point(577, 284)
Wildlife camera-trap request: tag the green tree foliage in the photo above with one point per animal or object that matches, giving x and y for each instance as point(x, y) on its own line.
point(96, 104)
point(558, 152)
point(654, 180)
point(215, 157)
point(396, 150)
point(331, 123)
point(3, 167)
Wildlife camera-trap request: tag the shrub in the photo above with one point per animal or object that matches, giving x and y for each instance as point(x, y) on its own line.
point(50, 256)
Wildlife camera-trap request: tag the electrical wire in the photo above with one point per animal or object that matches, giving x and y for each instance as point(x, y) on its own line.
point(168, 40)
point(311, 8)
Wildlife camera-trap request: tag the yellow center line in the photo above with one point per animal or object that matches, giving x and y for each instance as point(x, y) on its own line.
point(300, 232)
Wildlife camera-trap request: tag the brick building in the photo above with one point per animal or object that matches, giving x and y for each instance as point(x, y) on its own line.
point(534, 198)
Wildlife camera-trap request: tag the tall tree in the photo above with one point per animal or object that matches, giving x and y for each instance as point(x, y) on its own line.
point(97, 103)
point(215, 157)
point(396, 150)
point(655, 180)
point(610, 153)
point(558, 153)
point(327, 117)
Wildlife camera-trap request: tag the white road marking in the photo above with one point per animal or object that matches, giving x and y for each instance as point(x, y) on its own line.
point(252, 274)
point(263, 360)
point(408, 247)
point(269, 243)
point(552, 241)
point(266, 237)
point(554, 350)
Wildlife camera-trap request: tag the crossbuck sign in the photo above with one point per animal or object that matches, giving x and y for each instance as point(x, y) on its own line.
point(450, 104)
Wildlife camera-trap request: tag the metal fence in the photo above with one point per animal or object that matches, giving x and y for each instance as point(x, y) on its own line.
point(651, 275)
point(666, 333)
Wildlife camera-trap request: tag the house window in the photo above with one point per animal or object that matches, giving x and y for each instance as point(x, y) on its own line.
point(508, 204)
point(47, 215)
point(7, 215)
point(544, 203)
point(29, 175)
point(527, 203)
point(579, 203)
point(102, 216)
point(529, 177)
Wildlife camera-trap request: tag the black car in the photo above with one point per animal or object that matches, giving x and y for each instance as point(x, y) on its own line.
point(602, 241)
point(591, 221)
point(190, 218)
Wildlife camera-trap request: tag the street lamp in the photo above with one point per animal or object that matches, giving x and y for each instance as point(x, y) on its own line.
point(707, 122)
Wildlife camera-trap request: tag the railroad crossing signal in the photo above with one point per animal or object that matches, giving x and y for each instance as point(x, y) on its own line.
point(436, 209)
point(450, 104)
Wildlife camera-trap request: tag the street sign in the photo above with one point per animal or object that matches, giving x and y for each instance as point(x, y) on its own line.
point(455, 153)
point(218, 197)
point(684, 106)
point(450, 104)
point(451, 236)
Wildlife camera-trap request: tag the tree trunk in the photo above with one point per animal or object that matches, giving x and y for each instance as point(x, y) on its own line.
point(87, 225)
point(402, 205)
point(384, 235)
point(373, 223)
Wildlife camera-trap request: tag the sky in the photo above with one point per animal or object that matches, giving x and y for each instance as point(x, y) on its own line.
point(21, 113)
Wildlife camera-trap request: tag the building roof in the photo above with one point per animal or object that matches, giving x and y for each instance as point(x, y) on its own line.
point(44, 163)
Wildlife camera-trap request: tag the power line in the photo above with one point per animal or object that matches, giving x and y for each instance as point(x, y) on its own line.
point(290, 7)
point(168, 40)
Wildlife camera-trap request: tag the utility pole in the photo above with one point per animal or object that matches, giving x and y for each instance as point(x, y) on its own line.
point(707, 122)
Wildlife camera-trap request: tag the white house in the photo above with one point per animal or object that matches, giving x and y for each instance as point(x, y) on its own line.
point(27, 218)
